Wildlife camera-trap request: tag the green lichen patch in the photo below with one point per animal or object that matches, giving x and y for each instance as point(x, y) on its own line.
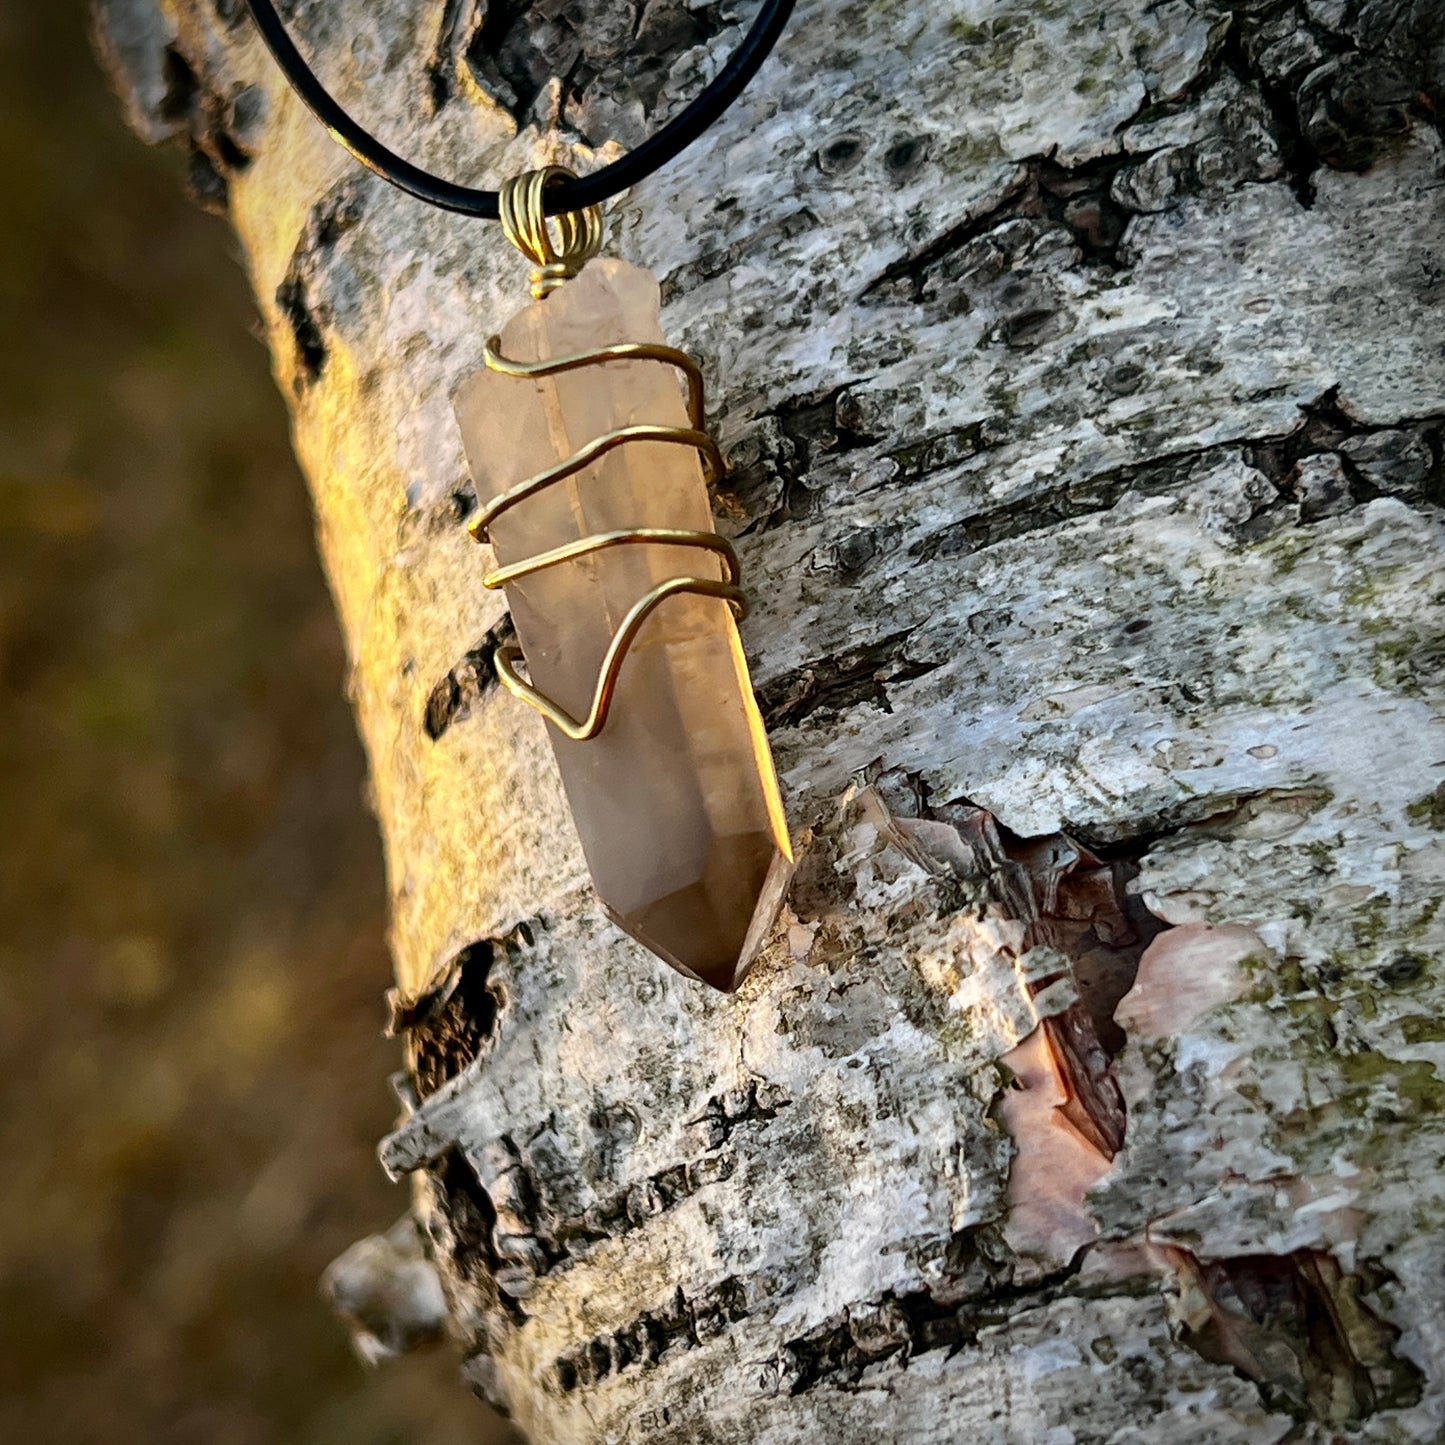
point(1429, 810)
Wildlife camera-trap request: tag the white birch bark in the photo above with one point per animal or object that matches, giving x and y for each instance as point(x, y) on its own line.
point(1080, 363)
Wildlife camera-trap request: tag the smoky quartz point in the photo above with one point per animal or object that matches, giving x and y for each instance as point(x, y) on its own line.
point(675, 799)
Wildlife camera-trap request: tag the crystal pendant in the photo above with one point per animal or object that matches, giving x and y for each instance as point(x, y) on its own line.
point(675, 798)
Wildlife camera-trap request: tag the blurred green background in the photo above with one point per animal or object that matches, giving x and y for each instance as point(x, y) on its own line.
point(192, 955)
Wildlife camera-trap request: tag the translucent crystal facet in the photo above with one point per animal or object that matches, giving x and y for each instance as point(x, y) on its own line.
point(675, 799)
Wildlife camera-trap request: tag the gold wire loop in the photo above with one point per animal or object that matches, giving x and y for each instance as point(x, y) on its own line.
point(506, 658)
point(579, 233)
point(692, 436)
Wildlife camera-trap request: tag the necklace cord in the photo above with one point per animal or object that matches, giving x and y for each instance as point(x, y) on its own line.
point(651, 155)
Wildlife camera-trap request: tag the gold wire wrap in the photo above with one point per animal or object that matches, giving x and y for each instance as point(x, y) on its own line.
point(519, 200)
point(506, 658)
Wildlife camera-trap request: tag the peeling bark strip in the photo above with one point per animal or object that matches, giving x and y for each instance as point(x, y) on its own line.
point(1296, 1326)
point(1079, 366)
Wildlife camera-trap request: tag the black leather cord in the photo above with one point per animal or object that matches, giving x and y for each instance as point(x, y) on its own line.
point(654, 153)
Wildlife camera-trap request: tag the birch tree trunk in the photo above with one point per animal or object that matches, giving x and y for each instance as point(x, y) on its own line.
point(1079, 363)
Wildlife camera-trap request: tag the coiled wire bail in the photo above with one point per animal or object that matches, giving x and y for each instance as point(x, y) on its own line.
point(579, 233)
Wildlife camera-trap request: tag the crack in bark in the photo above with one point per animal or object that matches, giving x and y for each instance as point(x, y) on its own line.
point(767, 470)
point(1207, 814)
point(975, 1290)
point(1075, 903)
point(1340, 97)
point(1065, 502)
point(1295, 1325)
point(451, 1024)
point(1298, 155)
point(834, 684)
point(1322, 428)
point(440, 67)
point(230, 13)
point(1331, 99)
point(470, 1220)
point(1405, 460)
point(473, 678)
point(768, 482)
point(631, 1208)
point(293, 299)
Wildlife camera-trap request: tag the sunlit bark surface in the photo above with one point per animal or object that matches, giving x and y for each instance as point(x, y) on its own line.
point(1080, 368)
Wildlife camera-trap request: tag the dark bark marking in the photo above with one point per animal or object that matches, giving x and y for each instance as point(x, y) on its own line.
point(206, 184)
point(468, 1211)
point(1206, 814)
point(683, 1322)
point(331, 217)
point(606, 62)
point(842, 154)
point(539, 1240)
point(1403, 460)
point(473, 678)
point(1339, 100)
point(835, 684)
point(183, 87)
point(216, 129)
point(1299, 156)
point(1352, 107)
point(770, 481)
point(1077, 497)
point(457, 1023)
point(772, 470)
point(976, 1290)
point(940, 450)
point(294, 301)
point(1075, 199)
point(1323, 428)
point(755, 1102)
point(768, 469)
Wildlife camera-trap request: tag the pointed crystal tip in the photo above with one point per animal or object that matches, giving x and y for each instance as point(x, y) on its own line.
point(712, 929)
